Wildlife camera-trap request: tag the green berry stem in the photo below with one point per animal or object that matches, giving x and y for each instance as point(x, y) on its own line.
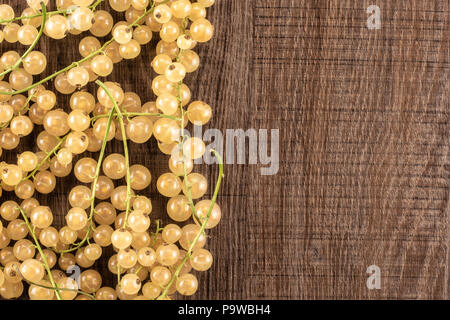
point(158, 230)
point(125, 149)
point(94, 183)
point(31, 47)
point(132, 114)
point(185, 180)
point(49, 154)
point(25, 106)
point(138, 269)
point(184, 137)
point(203, 226)
point(99, 166)
point(49, 14)
point(94, 6)
point(27, 103)
point(63, 289)
point(43, 256)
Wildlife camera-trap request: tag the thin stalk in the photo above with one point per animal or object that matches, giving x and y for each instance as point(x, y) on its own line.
point(132, 114)
point(63, 289)
point(138, 269)
point(25, 106)
point(53, 151)
point(202, 229)
point(158, 229)
point(44, 258)
point(147, 12)
point(118, 274)
point(94, 183)
point(31, 47)
point(185, 180)
point(99, 163)
point(27, 103)
point(49, 14)
point(125, 149)
point(94, 6)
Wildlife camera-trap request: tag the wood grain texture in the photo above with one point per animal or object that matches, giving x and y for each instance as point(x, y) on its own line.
point(364, 147)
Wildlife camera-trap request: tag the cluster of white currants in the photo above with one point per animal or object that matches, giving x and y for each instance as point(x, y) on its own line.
point(149, 265)
point(105, 211)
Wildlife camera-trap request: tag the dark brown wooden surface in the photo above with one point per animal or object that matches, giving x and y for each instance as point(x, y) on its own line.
point(364, 153)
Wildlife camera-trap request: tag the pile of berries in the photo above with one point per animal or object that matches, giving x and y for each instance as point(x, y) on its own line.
point(106, 207)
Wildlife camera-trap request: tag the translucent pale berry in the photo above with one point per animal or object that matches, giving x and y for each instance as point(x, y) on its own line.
point(130, 50)
point(121, 239)
point(76, 218)
point(27, 161)
point(102, 65)
point(35, 62)
point(162, 13)
point(57, 26)
point(187, 284)
point(169, 185)
point(27, 34)
point(194, 148)
point(202, 30)
point(78, 76)
point(201, 260)
point(32, 270)
point(11, 174)
point(78, 120)
point(82, 19)
point(204, 214)
point(167, 103)
point(122, 34)
point(131, 284)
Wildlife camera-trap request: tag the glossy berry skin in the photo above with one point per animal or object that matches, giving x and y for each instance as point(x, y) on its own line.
point(169, 185)
point(187, 284)
point(121, 239)
point(201, 260)
point(32, 270)
point(131, 284)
